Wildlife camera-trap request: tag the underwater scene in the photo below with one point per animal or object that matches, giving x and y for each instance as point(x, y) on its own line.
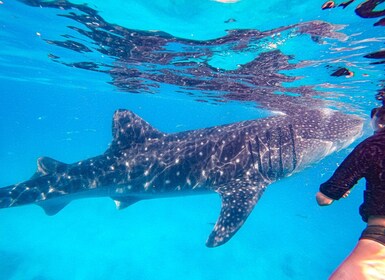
point(138, 137)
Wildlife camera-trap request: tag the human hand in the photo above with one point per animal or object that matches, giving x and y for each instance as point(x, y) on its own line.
point(323, 200)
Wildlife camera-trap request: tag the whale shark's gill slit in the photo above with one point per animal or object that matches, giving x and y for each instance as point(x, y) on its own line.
point(291, 130)
point(270, 165)
point(259, 154)
point(280, 152)
point(251, 153)
point(215, 148)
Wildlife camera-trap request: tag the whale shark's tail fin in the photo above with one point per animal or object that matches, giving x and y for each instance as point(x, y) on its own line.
point(238, 200)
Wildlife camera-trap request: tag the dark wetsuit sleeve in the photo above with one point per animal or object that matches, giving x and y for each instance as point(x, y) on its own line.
point(347, 174)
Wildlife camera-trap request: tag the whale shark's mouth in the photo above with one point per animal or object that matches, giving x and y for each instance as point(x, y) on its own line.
point(316, 150)
point(355, 133)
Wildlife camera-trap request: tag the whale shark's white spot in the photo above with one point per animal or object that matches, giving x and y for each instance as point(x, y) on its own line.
point(94, 184)
point(278, 113)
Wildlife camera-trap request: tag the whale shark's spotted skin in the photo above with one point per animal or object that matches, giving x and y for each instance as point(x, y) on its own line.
point(236, 161)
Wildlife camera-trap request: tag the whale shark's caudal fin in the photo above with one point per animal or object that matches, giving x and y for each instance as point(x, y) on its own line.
point(238, 200)
point(129, 130)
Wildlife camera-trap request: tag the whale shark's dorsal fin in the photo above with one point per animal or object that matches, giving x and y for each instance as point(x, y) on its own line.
point(238, 200)
point(129, 129)
point(46, 165)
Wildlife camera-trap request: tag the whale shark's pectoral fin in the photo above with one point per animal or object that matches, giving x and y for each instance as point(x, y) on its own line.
point(238, 200)
point(124, 202)
point(46, 165)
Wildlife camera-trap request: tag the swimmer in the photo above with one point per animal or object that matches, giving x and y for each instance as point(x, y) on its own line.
point(328, 5)
point(332, 4)
point(345, 4)
point(343, 72)
point(367, 160)
point(368, 10)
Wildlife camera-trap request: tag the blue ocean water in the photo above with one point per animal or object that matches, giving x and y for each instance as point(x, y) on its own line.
point(61, 81)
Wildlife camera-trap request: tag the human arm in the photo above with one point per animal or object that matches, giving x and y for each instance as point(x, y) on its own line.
point(323, 200)
point(346, 176)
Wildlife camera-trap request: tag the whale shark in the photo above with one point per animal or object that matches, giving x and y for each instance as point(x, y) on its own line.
point(237, 161)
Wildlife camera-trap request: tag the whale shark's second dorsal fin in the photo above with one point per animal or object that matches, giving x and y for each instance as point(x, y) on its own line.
point(129, 129)
point(46, 165)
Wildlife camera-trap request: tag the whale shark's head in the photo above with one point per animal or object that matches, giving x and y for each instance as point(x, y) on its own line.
point(339, 128)
point(325, 131)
